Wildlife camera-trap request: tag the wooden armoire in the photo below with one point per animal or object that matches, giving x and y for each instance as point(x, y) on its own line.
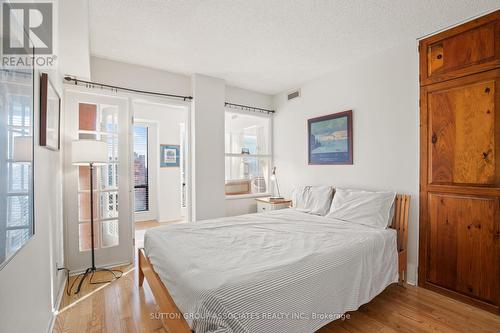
point(459, 251)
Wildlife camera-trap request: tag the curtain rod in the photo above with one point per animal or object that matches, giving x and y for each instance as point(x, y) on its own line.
point(116, 88)
point(248, 108)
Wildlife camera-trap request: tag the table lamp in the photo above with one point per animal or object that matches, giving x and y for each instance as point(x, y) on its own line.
point(275, 179)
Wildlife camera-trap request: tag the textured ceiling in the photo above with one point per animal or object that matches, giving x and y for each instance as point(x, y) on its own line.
point(264, 45)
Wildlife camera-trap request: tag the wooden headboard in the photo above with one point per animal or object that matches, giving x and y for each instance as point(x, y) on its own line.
point(400, 224)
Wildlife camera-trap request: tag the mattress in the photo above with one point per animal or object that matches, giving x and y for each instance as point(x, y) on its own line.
point(281, 271)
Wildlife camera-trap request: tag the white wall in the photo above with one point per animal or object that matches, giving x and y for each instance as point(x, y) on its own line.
point(138, 77)
point(248, 97)
point(144, 78)
point(26, 282)
point(382, 91)
point(74, 42)
point(30, 283)
point(167, 180)
point(207, 155)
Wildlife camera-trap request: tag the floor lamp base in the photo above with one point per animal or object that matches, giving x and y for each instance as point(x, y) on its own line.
point(89, 272)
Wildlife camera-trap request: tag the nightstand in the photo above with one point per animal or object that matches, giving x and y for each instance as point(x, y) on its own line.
point(266, 205)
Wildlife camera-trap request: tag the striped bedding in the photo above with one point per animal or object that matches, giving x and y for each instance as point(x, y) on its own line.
point(282, 271)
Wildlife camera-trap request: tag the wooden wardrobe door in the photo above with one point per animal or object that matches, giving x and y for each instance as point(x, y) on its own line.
point(463, 245)
point(464, 138)
point(459, 249)
point(464, 50)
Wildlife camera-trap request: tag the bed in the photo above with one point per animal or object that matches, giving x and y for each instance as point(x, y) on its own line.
point(282, 271)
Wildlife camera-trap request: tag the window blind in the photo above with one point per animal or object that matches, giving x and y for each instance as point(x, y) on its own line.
point(141, 186)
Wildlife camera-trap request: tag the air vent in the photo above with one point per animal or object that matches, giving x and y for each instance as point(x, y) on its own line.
point(293, 95)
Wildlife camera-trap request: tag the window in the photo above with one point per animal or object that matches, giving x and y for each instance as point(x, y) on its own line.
point(248, 153)
point(141, 187)
point(19, 202)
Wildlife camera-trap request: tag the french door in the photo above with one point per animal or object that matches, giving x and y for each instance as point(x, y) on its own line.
point(104, 118)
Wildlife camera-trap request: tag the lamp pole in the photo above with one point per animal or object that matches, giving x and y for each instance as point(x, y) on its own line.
point(91, 153)
point(92, 213)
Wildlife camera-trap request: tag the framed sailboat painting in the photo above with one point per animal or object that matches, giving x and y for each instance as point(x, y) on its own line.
point(330, 139)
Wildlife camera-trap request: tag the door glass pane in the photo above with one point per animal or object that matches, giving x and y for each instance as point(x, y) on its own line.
point(18, 175)
point(109, 119)
point(84, 206)
point(85, 237)
point(112, 141)
point(84, 178)
point(109, 233)
point(15, 239)
point(17, 206)
point(108, 205)
point(108, 177)
point(141, 187)
point(87, 117)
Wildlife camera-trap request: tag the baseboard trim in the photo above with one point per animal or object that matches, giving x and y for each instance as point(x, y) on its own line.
point(112, 265)
point(55, 311)
point(412, 274)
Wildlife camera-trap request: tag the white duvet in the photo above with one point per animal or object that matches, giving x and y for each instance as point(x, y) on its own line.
point(282, 271)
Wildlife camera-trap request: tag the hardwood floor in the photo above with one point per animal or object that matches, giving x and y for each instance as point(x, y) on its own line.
point(121, 306)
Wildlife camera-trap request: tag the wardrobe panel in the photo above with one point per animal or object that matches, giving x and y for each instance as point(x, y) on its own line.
point(462, 122)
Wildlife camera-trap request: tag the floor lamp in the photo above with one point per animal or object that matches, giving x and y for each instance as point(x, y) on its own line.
point(91, 153)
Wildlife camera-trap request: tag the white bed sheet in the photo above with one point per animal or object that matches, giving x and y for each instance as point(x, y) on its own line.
point(282, 271)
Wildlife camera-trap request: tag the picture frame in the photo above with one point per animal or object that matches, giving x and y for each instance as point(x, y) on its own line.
point(330, 139)
point(170, 156)
point(50, 115)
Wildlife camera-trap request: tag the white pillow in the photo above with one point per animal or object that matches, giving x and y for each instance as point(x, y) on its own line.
point(312, 199)
point(299, 197)
point(362, 207)
point(391, 213)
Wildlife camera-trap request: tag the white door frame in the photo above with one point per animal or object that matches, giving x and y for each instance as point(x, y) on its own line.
point(186, 106)
point(124, 252)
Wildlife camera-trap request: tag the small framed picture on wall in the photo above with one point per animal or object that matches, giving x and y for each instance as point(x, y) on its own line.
point(330, 139)
point(169, 156)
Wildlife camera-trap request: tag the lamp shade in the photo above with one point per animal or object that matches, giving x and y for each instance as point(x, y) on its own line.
point(84, 152)
point(22, 149)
